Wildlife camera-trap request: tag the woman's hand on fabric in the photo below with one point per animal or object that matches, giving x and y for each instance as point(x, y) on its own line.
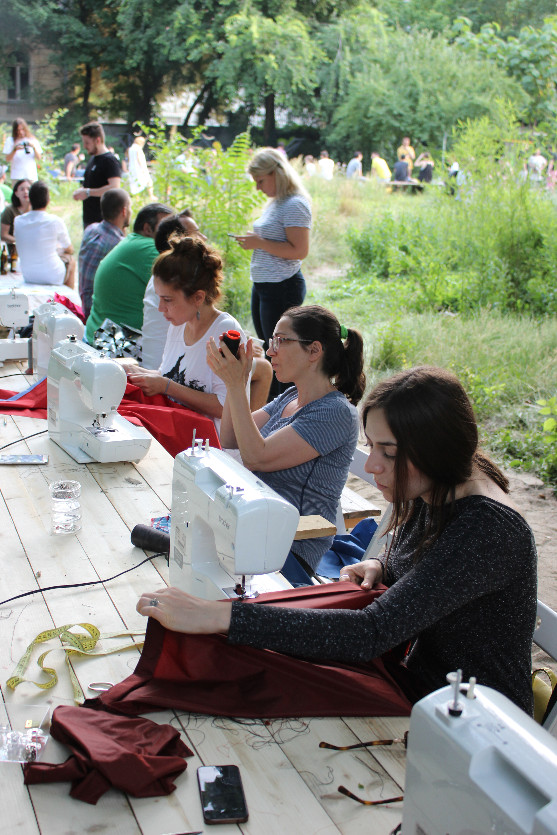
point(367, 573)
point(135, 368)
point(181, 612)
point(250, 240)
point(233, 371)
point(150, 382)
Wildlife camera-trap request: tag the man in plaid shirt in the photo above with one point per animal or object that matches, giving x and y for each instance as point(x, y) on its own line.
point(100, 238)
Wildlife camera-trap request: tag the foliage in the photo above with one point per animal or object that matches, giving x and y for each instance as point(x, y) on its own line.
point(213, 184)
point(348, 43)
point(493, 243)
point(46, 131)
point(526, 445)
point(417, 85)
point(438, 15)
point(263, 55)
point(392, 347)
point(530, 58)
point(548, 410)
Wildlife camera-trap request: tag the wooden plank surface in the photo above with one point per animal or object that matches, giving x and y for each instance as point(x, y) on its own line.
point(290, 783)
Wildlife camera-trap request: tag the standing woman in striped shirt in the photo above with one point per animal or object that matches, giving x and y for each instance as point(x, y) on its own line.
point(280, 242)
point(302, 442)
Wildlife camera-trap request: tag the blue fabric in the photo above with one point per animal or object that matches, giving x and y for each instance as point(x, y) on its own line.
point(347, 549)
point(22, 393)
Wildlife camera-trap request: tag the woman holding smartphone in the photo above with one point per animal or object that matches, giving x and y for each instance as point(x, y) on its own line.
point(279, 241)
point(460, 572)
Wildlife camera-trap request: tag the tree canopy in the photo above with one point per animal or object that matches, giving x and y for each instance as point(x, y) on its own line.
point(361, 72)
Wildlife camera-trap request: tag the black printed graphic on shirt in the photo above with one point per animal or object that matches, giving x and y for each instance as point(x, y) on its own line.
point(179, 376)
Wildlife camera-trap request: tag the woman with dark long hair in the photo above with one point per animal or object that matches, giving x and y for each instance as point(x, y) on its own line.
point(460, 571)
point(20, 205)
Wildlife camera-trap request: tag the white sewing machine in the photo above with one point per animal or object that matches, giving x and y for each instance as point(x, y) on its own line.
point(14, 313)
point(226, 525)
point(53, 322)
point(84, 390)
point(478, 766)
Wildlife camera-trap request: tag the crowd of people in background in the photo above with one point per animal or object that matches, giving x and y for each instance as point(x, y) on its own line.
point(279, 241)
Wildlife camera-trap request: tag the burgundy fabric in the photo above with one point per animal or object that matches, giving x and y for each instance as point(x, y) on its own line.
point(205, 674)
point(135, 755)
point(170, 423)
point(76, 309)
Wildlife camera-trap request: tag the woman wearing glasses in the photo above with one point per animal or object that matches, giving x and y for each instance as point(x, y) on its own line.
point(301, 444)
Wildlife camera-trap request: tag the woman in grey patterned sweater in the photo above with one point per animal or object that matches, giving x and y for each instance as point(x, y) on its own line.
point(460, 572)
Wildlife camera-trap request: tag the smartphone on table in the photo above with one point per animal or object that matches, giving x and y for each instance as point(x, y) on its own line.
point(222, 794)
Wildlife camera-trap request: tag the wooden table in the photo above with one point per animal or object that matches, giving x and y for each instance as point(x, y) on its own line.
point(290, 783)
point(37, 294)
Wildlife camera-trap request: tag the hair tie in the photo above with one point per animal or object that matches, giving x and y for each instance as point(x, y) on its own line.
point(343, 332)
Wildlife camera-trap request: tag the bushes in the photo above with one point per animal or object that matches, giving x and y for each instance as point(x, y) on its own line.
point(494, 246)
point(212, 183)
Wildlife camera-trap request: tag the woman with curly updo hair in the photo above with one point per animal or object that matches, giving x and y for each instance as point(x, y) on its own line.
point(187, 280)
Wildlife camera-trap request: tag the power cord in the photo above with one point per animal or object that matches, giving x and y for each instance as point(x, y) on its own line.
point(26, 438)
point(78, 585)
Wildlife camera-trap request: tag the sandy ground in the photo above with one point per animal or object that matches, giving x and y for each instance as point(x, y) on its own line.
point(539, 507)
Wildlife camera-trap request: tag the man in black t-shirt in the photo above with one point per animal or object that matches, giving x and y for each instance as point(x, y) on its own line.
point(103, 172)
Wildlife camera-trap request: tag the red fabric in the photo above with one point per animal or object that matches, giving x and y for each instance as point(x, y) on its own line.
point(135, 755)
point(76, 309)
point(171, 424)
point(205, 674)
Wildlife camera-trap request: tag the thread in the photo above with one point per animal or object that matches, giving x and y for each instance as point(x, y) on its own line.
point(149, 539)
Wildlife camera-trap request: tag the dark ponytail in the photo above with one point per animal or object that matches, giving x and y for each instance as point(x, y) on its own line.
point(343, 348)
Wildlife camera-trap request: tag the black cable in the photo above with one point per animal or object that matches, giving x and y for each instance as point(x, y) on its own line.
point(26, 438)
point(77, 585)
point(3, 377)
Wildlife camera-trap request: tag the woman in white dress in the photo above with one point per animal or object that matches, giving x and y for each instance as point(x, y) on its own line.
point(140, 178)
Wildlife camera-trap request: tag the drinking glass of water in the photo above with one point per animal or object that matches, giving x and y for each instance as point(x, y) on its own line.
point(65, 507)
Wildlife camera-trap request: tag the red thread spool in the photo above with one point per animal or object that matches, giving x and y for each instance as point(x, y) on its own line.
point(232, 339)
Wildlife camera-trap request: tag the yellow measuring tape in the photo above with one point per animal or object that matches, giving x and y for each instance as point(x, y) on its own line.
point(73, 644)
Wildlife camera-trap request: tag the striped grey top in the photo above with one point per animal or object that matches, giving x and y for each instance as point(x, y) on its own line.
point(330, 426)
point(277, 217)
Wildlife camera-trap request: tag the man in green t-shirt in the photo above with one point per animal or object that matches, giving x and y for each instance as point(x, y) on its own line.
point(122, 275)
point(4, 188)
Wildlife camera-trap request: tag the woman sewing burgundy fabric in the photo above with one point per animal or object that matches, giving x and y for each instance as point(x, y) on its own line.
point(461, 569)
